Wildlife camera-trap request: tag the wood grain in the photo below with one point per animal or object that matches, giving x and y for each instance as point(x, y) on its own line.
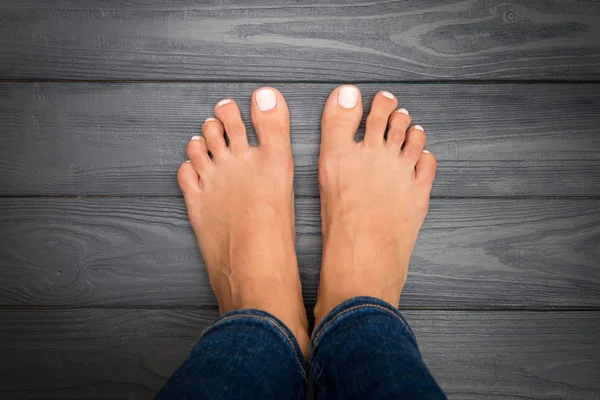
point(94, 353)
point(129, 139)
point(310, 40)
point(511, 355)
point(473, 253)
point(116, 354)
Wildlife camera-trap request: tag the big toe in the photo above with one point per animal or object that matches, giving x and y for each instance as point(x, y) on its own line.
point(271, 118)
point(341, 117)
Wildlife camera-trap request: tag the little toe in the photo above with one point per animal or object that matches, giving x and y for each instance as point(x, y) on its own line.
point(271, 118)
point(414, 144)
point(197, 151)
point(384, 103)
point(213, 132)
point(228, 112)
point(425, 168)
point(188, 179)
point(341, 118)
point(397, 126)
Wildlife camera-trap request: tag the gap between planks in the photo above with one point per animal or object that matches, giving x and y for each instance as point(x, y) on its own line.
point(313, 82)
point(167, 196)
point(215, 308)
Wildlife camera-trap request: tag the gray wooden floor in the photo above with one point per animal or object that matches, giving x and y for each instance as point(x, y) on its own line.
point(102, 287)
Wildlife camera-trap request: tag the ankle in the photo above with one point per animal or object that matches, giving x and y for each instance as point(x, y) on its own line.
point(294, 318)
point(276, 301)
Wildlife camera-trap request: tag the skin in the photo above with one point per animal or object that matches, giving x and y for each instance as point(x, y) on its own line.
point(374, 199)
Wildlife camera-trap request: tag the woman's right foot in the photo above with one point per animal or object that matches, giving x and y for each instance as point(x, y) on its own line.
point(374, 198)
point(241, 205)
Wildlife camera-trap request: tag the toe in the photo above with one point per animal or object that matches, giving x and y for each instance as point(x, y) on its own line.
point(188, 179)
point(413, 145)
point(384, 103)
point(341, 117)
point(228, 112)
point(425, 168)
point(197, 151)
point(270, 117)
point(397, 126)
point(213, 132)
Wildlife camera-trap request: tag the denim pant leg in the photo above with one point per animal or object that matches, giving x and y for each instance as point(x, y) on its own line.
point(365, 349)
point(244, 354)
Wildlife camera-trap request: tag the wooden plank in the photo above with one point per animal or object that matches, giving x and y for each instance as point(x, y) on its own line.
point(110, 354)
point(524, 355)
point(472, 253)
point(312, 40)
point(129, 139)
point(94, 353)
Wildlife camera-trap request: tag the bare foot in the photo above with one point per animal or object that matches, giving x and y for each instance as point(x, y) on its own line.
point(241, 206)
point(374, 198)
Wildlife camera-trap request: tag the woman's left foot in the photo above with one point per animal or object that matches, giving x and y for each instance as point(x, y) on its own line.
point(374, 198)
point(241, 206)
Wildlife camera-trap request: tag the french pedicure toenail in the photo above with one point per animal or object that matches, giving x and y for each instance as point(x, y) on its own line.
point(348, 96)
point(403, 111)
point(388, 95)
point(223, 102)
point(195, 137)
point(266, 99)
point(419, 127)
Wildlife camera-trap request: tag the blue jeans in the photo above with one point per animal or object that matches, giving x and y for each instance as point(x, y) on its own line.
point(363, 349)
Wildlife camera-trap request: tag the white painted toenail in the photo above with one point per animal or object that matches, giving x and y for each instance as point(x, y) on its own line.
point(195, 137)
point(388, 95)
point(419, 127)
point(266, 99)
point(403, 111)
point(223, 102)
point(348, 96)
point(210, 119)
point(188, 160)
point(426, 151)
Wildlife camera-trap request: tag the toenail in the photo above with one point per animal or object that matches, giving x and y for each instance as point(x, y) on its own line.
point(223, 102)
point(348, 96)
point(403, 111)
point(388, 95)
point(188, 160)
point(426, 151)
point(419, 127)
point(195, 138)
point(210, 119)
point(266, 99)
